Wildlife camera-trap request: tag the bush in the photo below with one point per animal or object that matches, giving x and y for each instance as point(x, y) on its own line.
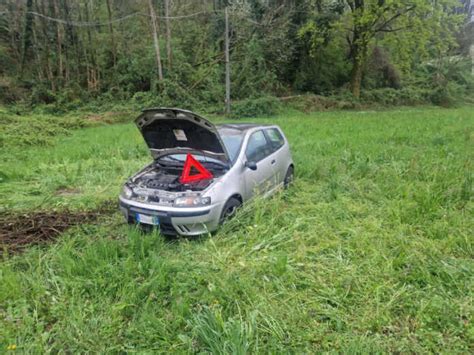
point(9, 91)
point(168, 94)
point(264, 106)
point(143, 99)
point(447, 81)
point(447, 95)
point(393, 97)
point(250, 74)
point(41, 94)
point(311, 103)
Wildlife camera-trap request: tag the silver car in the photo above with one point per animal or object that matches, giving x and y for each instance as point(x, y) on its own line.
point(244, 159)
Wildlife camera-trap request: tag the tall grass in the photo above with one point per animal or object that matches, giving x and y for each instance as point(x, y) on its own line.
point(371, 250)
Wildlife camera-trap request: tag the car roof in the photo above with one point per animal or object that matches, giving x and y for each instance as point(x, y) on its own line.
point(242, 127)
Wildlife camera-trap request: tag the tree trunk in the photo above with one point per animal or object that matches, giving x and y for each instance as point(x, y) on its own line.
point(14, 29)
point(472, 59)
point(359, 51)
point(227, 64)
point(77, 43)
point(169, 54)
point(92, 77)
point(358, 46)
point(111, 29)
point(36, 55)
point(27, 34)
point(44, 27)
point(70, 43)
point(155, 40)
point(358, 54)
point(59, 41)
point(356, 76)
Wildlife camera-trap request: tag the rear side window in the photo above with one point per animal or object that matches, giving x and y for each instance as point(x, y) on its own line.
point(257, 147)
point(275, 138)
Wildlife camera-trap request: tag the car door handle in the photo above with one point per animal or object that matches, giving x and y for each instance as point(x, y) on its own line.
point(273, 161)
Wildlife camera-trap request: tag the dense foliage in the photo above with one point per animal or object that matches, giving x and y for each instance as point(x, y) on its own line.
point(66, 53)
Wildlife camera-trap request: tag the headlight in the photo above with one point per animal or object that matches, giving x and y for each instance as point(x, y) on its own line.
point(127, 191)
point(192, 201)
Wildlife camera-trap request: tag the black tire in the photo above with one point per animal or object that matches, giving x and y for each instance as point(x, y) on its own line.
point(289, 177)
point(229, 210)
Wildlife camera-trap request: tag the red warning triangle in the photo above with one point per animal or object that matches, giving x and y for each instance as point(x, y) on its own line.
point(191, 162)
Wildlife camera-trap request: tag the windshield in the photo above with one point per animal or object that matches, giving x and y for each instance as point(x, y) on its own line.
point(232, 139)
point(179, 159)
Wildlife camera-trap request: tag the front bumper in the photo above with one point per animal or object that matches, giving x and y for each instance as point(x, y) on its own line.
point(174, 220)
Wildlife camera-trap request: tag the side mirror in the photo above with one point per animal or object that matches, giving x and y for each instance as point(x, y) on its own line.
point(251, 165)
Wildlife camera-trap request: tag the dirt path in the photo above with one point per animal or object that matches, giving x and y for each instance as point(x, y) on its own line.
point(18, 231)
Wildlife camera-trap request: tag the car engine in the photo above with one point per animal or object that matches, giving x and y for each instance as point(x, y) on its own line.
point(167, 179)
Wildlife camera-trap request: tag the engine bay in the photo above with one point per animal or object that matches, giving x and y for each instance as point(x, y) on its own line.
point(167, 178)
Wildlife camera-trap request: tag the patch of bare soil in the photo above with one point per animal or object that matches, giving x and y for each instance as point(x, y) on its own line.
point(18, 231)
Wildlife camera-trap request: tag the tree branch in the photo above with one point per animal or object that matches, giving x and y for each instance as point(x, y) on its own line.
point(389, 30)
point(382, 27)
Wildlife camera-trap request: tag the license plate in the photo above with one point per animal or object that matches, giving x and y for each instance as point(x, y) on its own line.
point(145, 219)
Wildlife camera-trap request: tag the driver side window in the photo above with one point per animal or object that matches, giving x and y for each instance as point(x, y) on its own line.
point(257, 147)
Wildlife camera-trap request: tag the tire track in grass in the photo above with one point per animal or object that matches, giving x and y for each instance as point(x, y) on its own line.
point(21, 230)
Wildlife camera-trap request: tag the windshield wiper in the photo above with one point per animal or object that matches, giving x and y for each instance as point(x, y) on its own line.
point(163, 160)
point(170, 164)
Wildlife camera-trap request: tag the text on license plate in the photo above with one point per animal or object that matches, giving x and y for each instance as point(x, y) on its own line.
point(143, 218)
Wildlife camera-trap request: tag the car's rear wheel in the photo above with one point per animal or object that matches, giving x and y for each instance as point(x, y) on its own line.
point(230, 209)
point(289, 177)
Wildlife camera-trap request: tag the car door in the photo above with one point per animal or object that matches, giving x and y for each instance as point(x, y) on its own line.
point(278, 160)
point(258, 150)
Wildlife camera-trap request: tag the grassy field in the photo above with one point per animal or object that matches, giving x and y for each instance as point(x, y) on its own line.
point(371, 250)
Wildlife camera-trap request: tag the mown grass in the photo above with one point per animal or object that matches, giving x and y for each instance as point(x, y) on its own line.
point(18, 129)
point(370, 251)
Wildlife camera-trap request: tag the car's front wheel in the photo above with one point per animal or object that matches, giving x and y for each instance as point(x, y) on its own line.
point(230, 209)
point(289, 177)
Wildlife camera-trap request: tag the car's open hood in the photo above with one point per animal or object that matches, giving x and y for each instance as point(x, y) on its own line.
point(174, 131)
